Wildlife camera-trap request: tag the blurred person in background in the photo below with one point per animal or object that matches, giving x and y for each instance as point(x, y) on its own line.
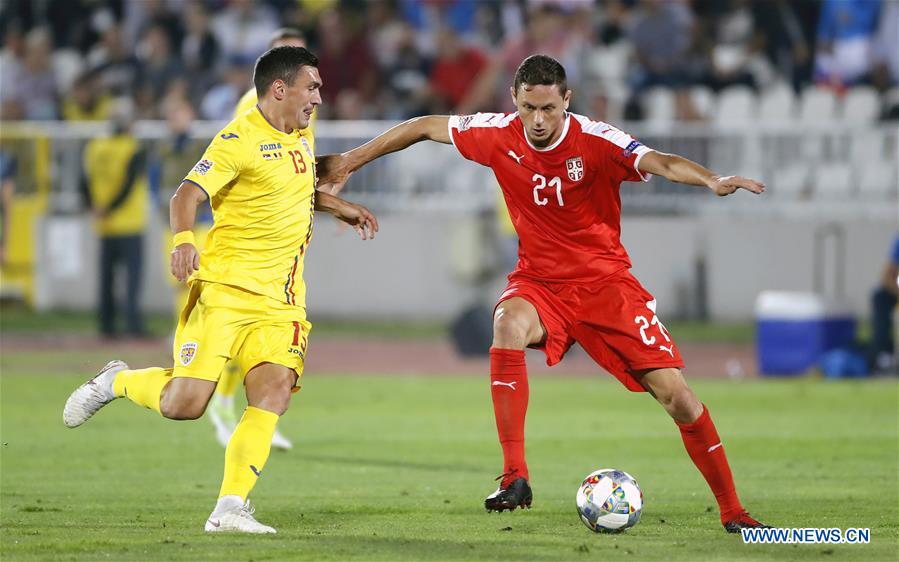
point(116, 189)
point(219, 102)
point(243, 29)
point(845, 41)
point(7, 191)
point(780, 32)
point(200, 50)
point(114, 61)
point(159, 64)
point(886, 48)
point(406, 76)
point(454, 71)
point(345, 59)
point(29, 90)
point(883, 308)
point(86, 101)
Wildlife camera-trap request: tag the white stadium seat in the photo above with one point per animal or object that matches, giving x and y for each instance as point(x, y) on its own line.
point(817, 105)
point(67, 65)
point(789, 182)
point(861, 105)
point(658, 103)
point(831, 182)
point(704, 101)
point(736, 104)
point(777, 104)
point(879, 181)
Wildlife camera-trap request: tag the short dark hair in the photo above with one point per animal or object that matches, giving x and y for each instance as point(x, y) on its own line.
point(280, 63)
point(285, 33)
point(541, 70)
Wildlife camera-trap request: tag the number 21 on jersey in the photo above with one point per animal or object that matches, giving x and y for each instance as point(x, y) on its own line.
point(541, 184)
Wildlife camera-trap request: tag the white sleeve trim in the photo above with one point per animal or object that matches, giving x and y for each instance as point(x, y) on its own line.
point(641, 151)
point(451, 123)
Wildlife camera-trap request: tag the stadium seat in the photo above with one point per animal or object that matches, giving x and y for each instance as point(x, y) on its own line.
point(817, 105)
point(67, 65)
point(861, 105)
point(736, 104)
point(658, 103)
point(878, 182)
point(832, 182)
point(789, 183)
point(776, 104)
point(609, 63)
point(704, 101)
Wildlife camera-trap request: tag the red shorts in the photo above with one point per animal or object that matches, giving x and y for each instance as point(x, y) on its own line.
point(614, 321)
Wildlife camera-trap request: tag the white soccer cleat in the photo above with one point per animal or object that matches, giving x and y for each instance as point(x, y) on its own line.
point(239, 520)
point(92, 395)
point(281, 442)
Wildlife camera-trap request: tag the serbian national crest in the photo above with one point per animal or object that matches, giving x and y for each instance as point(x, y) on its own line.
point(188, 351)
point(575, 167)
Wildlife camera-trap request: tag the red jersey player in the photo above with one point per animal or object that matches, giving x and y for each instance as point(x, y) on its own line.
point(560, 175)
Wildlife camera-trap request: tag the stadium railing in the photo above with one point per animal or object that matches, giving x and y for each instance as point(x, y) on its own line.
point(820, 169)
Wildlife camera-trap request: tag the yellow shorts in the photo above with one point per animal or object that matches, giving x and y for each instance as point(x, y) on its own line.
point(222, 322)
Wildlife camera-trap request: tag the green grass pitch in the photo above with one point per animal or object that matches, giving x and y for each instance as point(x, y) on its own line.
point(390, 468)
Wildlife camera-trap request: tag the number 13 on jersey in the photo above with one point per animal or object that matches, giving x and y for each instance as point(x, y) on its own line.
point(541, 183)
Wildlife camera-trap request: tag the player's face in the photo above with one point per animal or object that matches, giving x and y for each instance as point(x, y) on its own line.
point(302, 96)
point(542, 110)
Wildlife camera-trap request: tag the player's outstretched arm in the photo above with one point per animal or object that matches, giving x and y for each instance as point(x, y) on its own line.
point(361, 219)
point(679, 169)
point(334, 169)
point(182, 213)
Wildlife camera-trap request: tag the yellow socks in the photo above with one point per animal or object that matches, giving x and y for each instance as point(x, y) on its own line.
point(227, 385)
point(142, 386)
point(247, 451)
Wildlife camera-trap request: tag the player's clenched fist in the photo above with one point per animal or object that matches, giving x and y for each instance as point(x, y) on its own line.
point(185, 260)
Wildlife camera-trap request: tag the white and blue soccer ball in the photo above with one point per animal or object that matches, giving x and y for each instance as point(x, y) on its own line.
point(609, 501)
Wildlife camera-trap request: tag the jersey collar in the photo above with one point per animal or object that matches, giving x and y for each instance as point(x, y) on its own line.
point(558, 140)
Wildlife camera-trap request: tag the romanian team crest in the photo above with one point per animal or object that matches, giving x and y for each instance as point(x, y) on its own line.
point(575, 168)
point(188, 352)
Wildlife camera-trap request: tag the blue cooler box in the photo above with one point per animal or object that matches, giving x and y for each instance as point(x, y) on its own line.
point(793, 330)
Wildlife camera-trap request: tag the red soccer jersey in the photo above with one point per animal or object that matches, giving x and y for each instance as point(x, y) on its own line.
point(563, 199)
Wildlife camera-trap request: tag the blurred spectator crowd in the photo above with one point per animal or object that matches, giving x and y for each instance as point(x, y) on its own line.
point(392, 59)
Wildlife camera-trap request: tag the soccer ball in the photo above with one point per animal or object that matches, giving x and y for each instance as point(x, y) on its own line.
point(609, 501)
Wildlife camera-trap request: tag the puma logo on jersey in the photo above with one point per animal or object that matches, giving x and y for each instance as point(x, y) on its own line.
point(713, 447)
point(515, 156)
point(668, 348)
point(509, 384)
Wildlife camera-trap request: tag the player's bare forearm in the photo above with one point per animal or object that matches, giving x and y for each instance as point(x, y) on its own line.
point(404, 135)
point(183, 207)
point(681, 170)
point(182, 213)
point(361, 219)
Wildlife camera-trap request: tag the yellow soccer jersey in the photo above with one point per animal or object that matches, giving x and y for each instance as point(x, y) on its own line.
point(248, 102)
point(261, 184)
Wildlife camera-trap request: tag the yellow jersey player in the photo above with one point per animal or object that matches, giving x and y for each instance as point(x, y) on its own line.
point(221, 409)
point(247, 295)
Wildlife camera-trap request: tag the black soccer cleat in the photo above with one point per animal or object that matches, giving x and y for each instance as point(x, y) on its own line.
point(516, 493)
point(743, 521)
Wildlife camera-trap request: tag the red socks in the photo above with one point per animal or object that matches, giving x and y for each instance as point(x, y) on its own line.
point(509, 388)
point(704, 447)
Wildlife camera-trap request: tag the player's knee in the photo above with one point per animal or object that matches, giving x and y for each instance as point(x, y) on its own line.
point(509, 329)
point(682, 404)
point(182, 407)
